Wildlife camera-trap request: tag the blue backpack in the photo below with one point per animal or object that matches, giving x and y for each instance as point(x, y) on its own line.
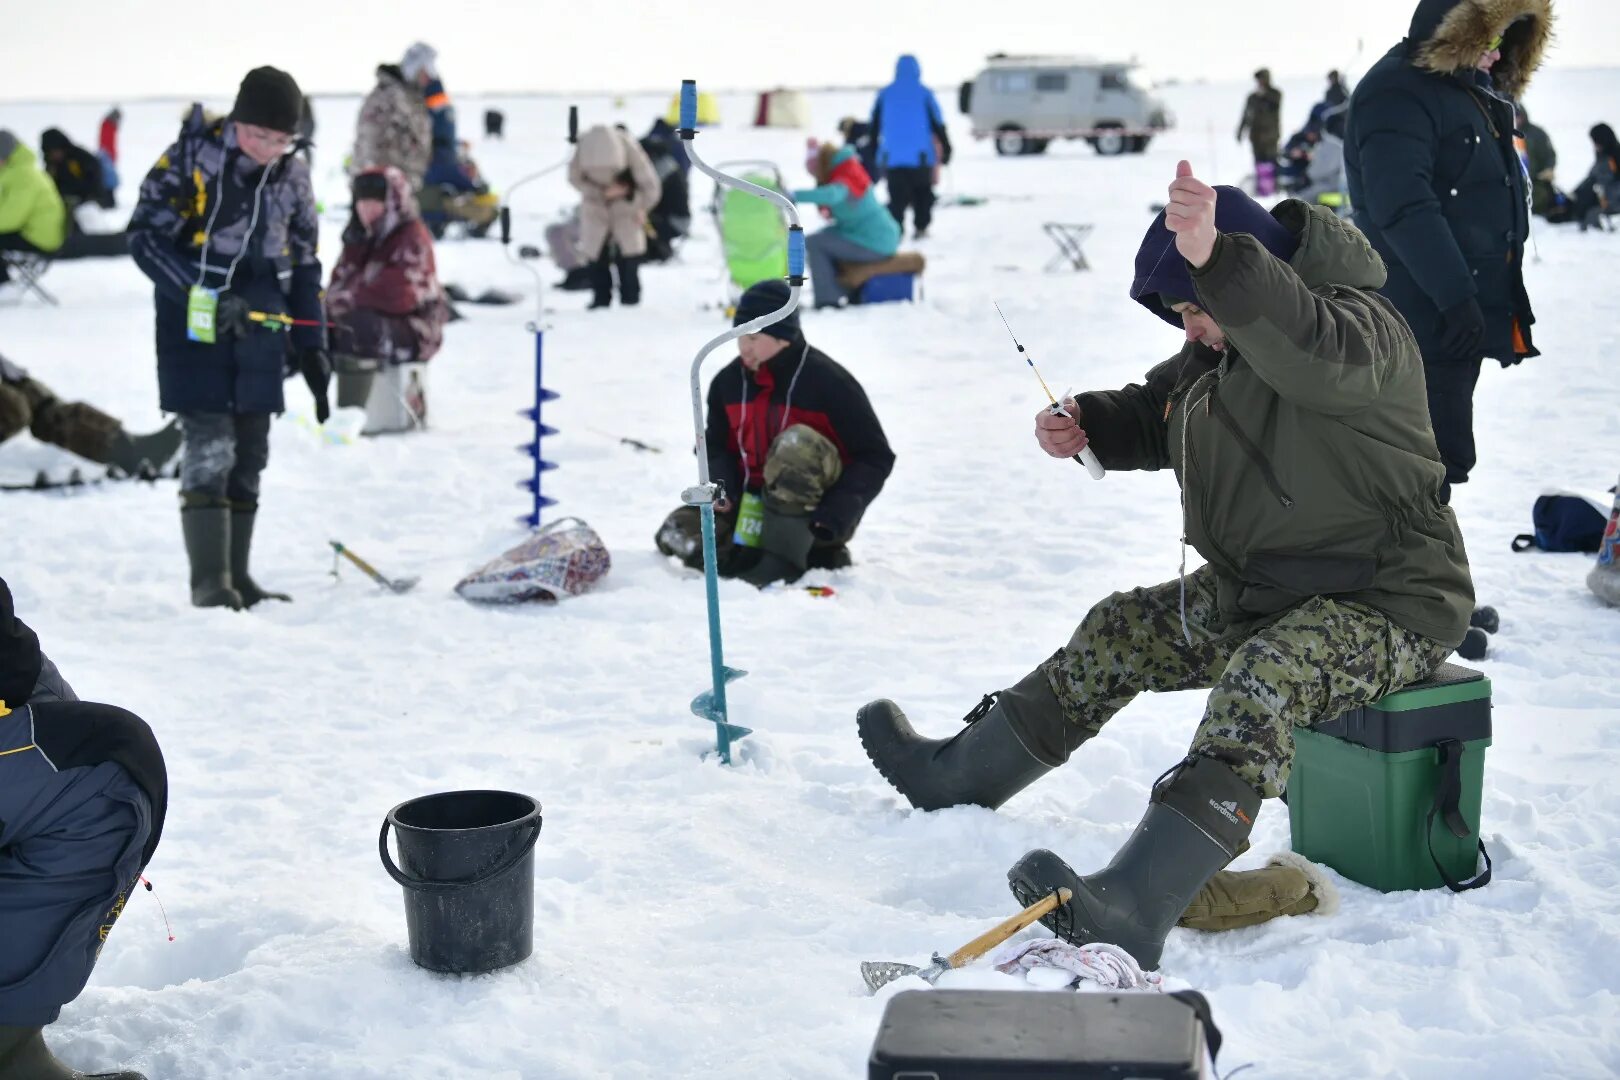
point(1563, 523)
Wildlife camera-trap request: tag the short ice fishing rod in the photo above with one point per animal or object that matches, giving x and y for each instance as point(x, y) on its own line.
point(1086, 456)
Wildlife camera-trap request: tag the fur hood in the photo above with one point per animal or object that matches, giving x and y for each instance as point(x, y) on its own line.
point(1449, 35)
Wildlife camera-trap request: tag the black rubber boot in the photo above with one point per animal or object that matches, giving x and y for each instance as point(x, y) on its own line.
point(144, 455)
point(1197, 822)
point(24, 1056)
point(784, 546)
point(243, 516)
point(1012, 739)
point(206, 524)
point(629, 271)
point(601, 278)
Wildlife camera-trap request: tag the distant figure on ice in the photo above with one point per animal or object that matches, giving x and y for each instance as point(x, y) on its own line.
point(795, 445)
point(1262, 121)
point(226, 229)
point(33, 217)
point(26, 404)
point(1296, 398)
point(911, 144)
point(671, 218)
point(1541, 162)
point(618, 187)
point(1337, 93)
point(861, 230)
point(83, 795)
point(1599, 193)
point(1440, 192)
point(76, 172)
point(386, 308)
point(394, 128)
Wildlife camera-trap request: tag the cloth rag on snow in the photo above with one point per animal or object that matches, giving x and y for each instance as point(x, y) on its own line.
point(1094, 967)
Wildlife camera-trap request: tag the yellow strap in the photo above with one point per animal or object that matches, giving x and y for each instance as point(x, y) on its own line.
point(18, 750)
point(3, 710)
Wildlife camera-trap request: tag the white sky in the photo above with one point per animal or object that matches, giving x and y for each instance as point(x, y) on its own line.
point(108, 50)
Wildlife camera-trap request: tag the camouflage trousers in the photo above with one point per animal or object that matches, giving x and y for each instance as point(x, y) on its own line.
point(1315, 662)
point(83, 429)
point(800, 466)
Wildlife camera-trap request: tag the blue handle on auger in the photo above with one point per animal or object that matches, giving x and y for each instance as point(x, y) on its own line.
point(795, 255)
point(689, 105)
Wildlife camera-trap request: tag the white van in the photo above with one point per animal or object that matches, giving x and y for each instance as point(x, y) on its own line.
point(1024, 102)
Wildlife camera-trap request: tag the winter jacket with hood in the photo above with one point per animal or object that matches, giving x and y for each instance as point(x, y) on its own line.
point(908, 119)
point(605, 155)
point(394, 129)
point(1262, 120)
point(1433, 172)
point(76, 172)
point(800, 385)
point(1304, 451)
point(845, 189)
point(30, 205)
point(257, 227)
point(385, 301)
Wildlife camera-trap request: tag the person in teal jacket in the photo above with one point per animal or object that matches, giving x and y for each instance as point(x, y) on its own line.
point(862, 230)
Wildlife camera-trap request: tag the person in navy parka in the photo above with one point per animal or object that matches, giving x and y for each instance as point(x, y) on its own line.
point(83, 793)
point(911, 141)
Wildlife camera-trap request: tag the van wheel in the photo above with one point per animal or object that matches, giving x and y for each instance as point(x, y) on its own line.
point(1110, 140)
point(1011, 141)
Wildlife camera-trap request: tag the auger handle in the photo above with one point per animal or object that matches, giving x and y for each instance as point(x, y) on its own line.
point(991, 938)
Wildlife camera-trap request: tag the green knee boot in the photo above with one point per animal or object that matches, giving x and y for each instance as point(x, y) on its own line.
point(206, 525)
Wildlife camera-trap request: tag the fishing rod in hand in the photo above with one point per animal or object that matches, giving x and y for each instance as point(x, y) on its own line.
point(1086, 456)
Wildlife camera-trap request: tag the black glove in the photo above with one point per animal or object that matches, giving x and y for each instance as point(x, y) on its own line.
point(316, 368)
point(231, 317)
point(1462, 331)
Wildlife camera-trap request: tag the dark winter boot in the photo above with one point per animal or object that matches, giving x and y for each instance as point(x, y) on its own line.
point(24, 1056)
point(206, 523)
point(242, 518)
point(629, 281)
point(1198, 819)
point(601, 271)
point(144, 455)
point(354, 378)
point(784, 546)
point(1012, 739)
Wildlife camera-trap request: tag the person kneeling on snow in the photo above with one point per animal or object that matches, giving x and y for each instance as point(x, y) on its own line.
point(796, 448)
point(1295, 420)
point(385, 308)
point(83, 794)
point(27, 403)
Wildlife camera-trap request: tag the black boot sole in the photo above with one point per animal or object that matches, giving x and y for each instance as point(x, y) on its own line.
point(895, 733)
point(1038, 875)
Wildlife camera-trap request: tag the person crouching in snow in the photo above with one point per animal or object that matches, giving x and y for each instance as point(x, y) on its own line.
point(385, 307)
point(619, 187)
point(862, 231)
point(83, 793)
point(226, 229)
point(796, 448)
point(1295, 420)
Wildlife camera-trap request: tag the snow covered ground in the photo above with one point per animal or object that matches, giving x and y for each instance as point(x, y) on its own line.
point(699, 921)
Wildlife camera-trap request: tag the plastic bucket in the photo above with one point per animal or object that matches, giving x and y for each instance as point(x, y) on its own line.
point(466, 862)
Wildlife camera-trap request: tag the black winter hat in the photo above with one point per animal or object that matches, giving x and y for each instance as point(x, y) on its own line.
point(762, 299)
point(52, 139)
point(1162, 276)
point(269, 98)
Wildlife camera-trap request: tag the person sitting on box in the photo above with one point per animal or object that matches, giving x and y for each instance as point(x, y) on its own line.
point(1295, 419)
point(861, 230)
point(796, 448)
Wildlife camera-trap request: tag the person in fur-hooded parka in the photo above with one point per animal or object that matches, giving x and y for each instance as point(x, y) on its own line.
point(1440, 193)
point(619, 187)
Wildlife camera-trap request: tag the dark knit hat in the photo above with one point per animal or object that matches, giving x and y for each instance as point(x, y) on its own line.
point(53, 139)
point(269, 98)
point(762, 299)
point(1162, 272)
point(371, 184)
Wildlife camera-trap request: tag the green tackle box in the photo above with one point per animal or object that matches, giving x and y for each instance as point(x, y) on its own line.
point(1389, 794)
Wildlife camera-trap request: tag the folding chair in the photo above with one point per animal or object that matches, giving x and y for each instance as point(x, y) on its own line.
point(25, 268)
point(1069, 239)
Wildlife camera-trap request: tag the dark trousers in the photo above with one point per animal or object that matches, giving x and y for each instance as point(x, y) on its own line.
point(223, 455)
point(602, 270)
point(912, 189)
point(1451, 411)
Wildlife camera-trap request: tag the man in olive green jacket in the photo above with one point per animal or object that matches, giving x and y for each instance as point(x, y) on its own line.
point(1296, 420)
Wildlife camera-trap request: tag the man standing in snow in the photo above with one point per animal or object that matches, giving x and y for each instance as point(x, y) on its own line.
point(394, 128)
point(911, 141)
point(83, 793)
point(1440, 191)
point(1294, 419)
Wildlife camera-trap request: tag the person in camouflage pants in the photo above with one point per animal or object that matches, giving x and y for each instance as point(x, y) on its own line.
point(1296, 422)
point(28, 404)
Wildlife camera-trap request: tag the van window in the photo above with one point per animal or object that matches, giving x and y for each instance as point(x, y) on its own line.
point(1052, 82)
point(1113, 80)
point(1011, 82)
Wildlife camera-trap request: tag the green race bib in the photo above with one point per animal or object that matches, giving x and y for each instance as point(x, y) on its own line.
point(750, 520)
point(201, 306)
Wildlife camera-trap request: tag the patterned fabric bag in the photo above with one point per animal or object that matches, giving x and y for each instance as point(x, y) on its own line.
point(564, 558)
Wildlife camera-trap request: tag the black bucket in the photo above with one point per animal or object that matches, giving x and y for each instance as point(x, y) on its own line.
point(467, 865)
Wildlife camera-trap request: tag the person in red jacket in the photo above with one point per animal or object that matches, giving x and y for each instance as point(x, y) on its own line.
point(385, 305)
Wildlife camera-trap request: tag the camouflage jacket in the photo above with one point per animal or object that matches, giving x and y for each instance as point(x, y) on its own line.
point(385, 301)
point(394, 129)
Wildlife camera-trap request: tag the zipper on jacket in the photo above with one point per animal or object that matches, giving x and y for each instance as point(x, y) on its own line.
point(1249, 448)
point(1191, 459)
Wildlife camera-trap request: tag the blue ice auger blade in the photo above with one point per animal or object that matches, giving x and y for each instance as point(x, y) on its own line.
point(530, 485)
point(795, 255)
point(532, 450)
point(705, 706)
point(689, 102)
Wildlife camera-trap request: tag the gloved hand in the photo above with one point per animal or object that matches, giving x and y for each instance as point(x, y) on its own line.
point(231, 316)
point(1462, 331)
point(316, 368)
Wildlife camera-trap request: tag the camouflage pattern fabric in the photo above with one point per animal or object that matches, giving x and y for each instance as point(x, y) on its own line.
point(224, 454)
point(394, 129)
point(83, 429)
point(1317, 660)
point(801, 465)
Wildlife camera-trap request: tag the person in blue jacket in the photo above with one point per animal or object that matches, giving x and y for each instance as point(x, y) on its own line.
point(861, 230)
point(911, 141)
point(83, 792)
point(420, 66)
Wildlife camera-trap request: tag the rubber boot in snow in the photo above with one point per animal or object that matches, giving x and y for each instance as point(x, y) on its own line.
point(243, 516)
point(206, 523)
point(24, 1056)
